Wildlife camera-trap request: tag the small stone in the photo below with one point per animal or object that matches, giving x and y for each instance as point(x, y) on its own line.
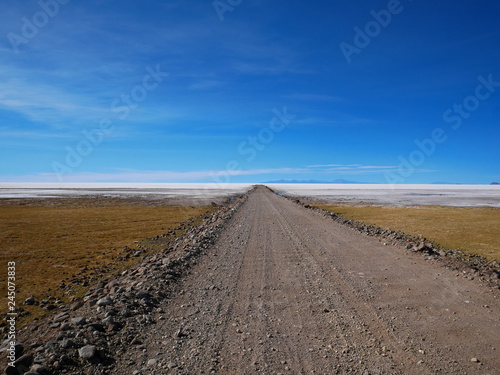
point(77, 305)
point(142, 294)
point(104, 301)
point(152, 362)
point(108, 319)
point(67, 343)
point(79, 321)
point(61, 317)
point(475, 360)
point(29, 301)
point(87, 352)
point(40, 369)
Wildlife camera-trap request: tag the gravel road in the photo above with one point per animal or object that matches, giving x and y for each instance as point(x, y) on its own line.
point(286, 290)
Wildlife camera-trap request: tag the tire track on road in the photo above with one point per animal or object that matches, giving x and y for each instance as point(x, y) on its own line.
point(352, 303)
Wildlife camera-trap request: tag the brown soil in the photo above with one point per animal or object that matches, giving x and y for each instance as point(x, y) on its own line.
point(285, 290)
point(61, 244)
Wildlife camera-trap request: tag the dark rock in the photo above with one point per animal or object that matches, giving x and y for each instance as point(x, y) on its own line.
point(19, 349)
point(79, 321)
point(67, 343)
point(29, 301)
point(64, 360)
point(50, 345)
point(96, 327)
point(108, 319)
point(142, 294)
point(11, 371)
point(25, 360)
point(21, 365)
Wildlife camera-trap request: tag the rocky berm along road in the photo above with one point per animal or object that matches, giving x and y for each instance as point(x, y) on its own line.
point(286, 290)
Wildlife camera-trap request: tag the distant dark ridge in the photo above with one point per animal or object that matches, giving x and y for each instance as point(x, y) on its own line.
point(495, 183)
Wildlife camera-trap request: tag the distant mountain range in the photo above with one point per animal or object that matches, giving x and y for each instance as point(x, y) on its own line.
point(340, 181)
point(312, 182)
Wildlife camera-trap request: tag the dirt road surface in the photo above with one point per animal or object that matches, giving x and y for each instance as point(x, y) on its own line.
point(288, 291)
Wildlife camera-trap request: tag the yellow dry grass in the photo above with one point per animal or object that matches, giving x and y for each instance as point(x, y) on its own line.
point(471, 230)
point(53, 240)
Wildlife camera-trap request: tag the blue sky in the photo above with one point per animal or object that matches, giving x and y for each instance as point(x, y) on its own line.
point(250, 91)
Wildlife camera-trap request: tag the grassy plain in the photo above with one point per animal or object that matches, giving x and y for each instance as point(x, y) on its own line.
point(472, 230)
point(53, 240)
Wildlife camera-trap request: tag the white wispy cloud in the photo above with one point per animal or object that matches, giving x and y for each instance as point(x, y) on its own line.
point(332, 165)
point(377, 167)
point(58, 107)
